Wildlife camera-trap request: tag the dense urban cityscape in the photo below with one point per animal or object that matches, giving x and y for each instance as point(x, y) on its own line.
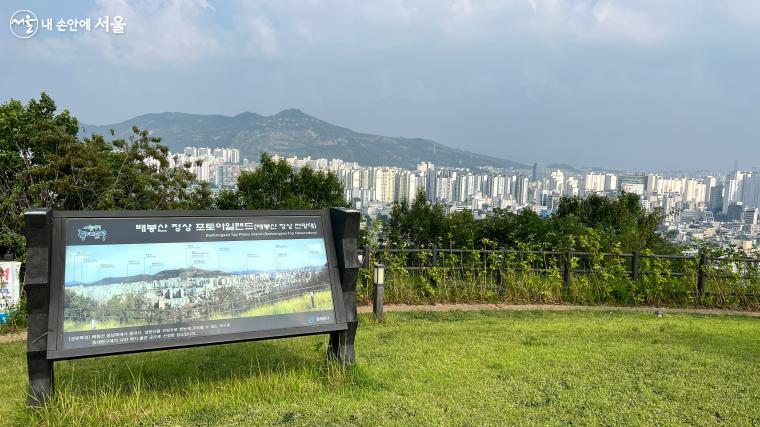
point(718, 208)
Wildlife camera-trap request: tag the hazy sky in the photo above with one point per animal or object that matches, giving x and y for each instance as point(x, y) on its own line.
point(620, 84)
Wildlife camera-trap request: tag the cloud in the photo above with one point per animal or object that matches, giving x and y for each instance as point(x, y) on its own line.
point(744, 11)
point(593, 21)
point(615, 21)
point(158, 33)
point(271, 27)
point(255, 34)
point(165, 32)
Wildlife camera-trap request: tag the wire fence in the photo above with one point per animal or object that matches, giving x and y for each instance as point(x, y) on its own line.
point(422, 275)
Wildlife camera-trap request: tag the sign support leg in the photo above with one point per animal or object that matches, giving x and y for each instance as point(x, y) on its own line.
point(39, 228)
point(40, 378)
point(345, 227)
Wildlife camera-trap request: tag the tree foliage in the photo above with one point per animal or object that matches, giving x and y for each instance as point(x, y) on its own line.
point(622, 219)
point(591, 224)
point(422, 223)
point(277, 185)
point(43, 163)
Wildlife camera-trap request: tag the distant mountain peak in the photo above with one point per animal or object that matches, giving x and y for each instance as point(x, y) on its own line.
point(248, 115)
point(183, 273)
point(292, 113)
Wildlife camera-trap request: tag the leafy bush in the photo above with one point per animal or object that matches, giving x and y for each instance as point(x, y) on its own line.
point(528, 276)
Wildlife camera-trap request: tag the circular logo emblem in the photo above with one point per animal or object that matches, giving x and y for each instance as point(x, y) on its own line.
point(24, 24)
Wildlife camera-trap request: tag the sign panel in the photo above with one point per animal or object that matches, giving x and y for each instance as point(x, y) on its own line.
point(9, 287)
point(100, 283)
point(142, 280)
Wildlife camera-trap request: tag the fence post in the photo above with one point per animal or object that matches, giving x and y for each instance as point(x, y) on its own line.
point(566, 271)
point(502, 264)
point(378, 300)
point(701, 275)
point(434, 263)
point(635, 266)
point(366, 253)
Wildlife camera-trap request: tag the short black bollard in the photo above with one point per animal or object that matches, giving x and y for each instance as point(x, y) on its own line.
point(379, 294)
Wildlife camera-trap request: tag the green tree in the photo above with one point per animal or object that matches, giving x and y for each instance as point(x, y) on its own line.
point(621, 220)
point(423, 223)
point(276, 185)
point(419, 224)
point(593, 224)
point(510, 229)
point(43, 163)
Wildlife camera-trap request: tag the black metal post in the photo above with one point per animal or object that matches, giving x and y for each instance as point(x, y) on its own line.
point(366, 253)
point(635, 266)
point(345, 228)
point(701, 273)
point(38, 230)
point(433, 264)
point(566, 273)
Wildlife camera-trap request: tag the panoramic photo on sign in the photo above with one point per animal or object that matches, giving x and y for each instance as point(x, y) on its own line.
point(136, 280)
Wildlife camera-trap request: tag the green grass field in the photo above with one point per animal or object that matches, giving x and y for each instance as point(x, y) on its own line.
point(452, 368)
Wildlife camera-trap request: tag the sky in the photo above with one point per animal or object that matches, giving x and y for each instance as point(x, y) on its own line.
point(632, 85)
point(90, 263)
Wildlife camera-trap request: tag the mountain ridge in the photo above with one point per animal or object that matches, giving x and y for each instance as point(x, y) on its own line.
point(293, 132)
point(188, 272)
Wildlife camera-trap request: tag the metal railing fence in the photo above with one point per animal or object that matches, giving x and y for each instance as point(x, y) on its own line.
point(698, 279)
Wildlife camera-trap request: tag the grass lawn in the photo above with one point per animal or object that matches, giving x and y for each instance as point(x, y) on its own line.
point(427, 368)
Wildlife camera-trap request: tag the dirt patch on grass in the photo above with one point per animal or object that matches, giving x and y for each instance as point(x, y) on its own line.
point(556, 307)
point(6, 338)
point(512, 307)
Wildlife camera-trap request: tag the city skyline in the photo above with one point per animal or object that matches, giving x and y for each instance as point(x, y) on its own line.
point(722, 208)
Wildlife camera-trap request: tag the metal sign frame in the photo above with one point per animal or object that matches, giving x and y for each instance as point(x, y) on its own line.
point(46, 245)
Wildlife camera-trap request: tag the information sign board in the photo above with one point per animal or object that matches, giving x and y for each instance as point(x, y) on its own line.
point(103, 283)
